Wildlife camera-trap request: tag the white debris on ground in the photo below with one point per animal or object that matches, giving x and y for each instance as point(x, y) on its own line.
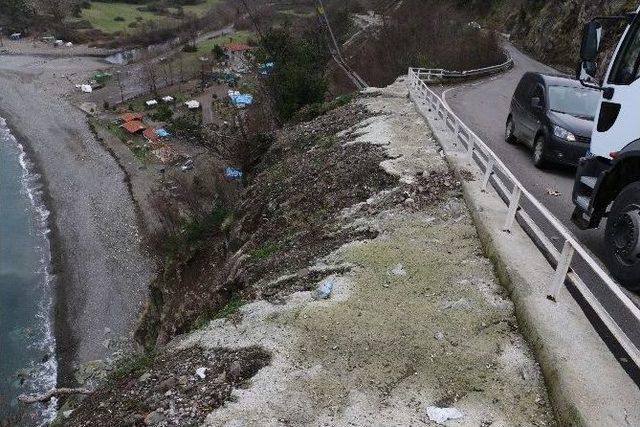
point(418, 332)
point(442, 415)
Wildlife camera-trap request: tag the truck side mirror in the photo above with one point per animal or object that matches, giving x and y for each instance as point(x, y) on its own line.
point(591, 36)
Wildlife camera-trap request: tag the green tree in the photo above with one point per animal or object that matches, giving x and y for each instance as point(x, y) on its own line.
point(298, 75)
point(16, 15)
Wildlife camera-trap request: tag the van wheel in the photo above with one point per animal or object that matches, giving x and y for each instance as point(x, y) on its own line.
point(509, 135)
point(622, 237)
point(539, 152)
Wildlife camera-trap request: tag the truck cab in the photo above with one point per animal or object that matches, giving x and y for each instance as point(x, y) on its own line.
point(607, 183)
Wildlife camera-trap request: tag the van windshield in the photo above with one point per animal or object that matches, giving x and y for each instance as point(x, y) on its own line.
point(576, 101)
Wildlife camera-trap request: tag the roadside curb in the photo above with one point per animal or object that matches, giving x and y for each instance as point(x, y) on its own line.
point(586, 384)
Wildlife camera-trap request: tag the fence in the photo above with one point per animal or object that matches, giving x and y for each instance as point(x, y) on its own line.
point(496, 173)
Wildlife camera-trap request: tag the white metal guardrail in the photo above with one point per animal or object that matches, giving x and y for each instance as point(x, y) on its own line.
point(439, 75)
point(499, 175)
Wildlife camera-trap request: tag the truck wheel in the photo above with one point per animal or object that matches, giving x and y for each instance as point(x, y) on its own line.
point(509, 135)
point(538, 153)
point(622, 237)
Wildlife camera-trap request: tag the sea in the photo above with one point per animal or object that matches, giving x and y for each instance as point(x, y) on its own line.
point(27, 343)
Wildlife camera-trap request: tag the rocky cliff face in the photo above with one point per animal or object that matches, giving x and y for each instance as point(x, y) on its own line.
point(550, 30)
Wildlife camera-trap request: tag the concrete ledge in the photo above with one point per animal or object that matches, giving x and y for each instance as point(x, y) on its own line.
point(586, 384)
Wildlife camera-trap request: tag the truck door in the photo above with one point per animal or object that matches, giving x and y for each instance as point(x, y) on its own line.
point(618, 117)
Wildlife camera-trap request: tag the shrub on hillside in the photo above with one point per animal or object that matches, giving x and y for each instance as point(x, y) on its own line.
point(298, 75)
point(190, 48)
point(426, 34)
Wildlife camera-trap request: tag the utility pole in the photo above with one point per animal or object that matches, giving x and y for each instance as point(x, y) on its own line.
point(323, 15)
point(257, 27)
point(253, 19)
point(118, 75)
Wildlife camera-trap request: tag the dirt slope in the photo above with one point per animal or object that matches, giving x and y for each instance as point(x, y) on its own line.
point(418, 320)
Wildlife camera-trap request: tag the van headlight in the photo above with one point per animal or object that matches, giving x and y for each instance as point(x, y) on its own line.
point(562, 133)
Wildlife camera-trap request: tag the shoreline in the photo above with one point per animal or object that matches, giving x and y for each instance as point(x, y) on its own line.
point(61, 327)
point(99, 268)
point(44, 372)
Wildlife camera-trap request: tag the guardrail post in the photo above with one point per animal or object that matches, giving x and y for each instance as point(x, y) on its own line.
point(513, 208)
point(564, 263)
point(487, 174)
point(471, 142)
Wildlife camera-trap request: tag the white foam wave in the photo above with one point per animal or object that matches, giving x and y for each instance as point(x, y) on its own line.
point(43, 373)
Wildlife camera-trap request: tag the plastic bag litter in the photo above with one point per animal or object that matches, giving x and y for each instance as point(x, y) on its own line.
point(325, 288)
point(441, 415)
point(399, 270)
point(201, 372)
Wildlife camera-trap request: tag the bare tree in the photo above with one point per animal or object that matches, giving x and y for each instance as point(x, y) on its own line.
point(181, 68)
point(119, 80)
point(150, 77)
point(192, 28)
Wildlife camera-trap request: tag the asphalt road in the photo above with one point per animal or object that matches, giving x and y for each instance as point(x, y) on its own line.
point(484, 106)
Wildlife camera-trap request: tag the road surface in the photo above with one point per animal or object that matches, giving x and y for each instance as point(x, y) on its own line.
point(484, 106)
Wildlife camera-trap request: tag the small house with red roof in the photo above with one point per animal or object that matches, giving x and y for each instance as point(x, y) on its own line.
point(129, 117)
point(236, 52)
point(134, 126)
point(150, 134)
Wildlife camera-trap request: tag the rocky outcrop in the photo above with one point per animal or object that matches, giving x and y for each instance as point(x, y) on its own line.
point(551, 30)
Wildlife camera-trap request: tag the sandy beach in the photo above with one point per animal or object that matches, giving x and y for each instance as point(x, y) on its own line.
point(101, 267)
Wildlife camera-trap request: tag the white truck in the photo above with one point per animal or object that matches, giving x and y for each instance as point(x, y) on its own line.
point(608, 178)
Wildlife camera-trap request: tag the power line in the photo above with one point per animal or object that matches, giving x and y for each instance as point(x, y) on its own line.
point(358, 82)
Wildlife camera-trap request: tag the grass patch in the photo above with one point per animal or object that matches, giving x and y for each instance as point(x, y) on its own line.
point(133, 364)
point(140, 151)
point(200, 9)
point(312, 111)
point(191, 59)
point(231, 307)
point(118, 17)
point(267, 250)
point(103, 16)
point(237, 37)
point(115, 129)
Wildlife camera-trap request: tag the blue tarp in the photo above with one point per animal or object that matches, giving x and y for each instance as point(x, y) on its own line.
point(241, 99)
point(266, 69)
point(232, 173)
point(162, 133)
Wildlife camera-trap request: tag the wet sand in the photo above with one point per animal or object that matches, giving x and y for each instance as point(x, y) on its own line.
point(101, 267)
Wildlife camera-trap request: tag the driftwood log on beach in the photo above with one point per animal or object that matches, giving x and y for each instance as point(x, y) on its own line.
point(52, 393)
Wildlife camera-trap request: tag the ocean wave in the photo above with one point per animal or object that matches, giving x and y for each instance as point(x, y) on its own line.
point(43, 373)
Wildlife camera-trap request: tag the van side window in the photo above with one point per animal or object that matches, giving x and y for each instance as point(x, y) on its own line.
point(626, 69)
point(522, 88)
point(538, 92)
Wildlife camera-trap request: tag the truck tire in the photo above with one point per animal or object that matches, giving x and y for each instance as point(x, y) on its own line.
point(509, 131)
point(622, 237)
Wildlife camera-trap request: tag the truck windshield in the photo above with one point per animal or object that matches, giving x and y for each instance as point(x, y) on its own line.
point(626, 66)
point(576, 101)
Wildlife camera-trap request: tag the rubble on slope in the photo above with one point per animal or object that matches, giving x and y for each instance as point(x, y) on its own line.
point(172, 389)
